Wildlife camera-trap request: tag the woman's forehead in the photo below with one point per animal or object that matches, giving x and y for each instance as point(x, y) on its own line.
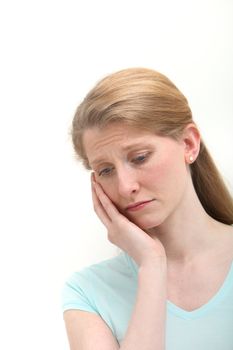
point(121, 137)
point(114, 134)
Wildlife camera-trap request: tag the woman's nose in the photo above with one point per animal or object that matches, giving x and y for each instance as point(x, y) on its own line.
point(127, 183)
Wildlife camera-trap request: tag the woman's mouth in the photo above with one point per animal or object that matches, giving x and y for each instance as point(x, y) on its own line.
point(138, 205)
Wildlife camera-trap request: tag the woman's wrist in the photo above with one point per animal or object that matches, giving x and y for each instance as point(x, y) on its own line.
point(154, 262)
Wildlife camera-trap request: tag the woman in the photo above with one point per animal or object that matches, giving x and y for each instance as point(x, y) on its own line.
point(164, 204)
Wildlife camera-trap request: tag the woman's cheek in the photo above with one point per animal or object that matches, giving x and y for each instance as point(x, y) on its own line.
point(108, 188)
point(155, 173)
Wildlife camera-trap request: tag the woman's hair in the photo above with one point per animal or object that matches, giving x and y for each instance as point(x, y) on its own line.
point(146, 99)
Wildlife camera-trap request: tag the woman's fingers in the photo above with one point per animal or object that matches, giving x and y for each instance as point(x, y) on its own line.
point(107, 204)
point(99, 208)
point(121, 231)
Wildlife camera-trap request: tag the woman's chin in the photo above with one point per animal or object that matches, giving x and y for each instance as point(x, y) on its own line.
point(147, 224)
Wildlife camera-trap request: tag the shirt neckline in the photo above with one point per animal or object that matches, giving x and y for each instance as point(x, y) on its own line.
point(182, 313)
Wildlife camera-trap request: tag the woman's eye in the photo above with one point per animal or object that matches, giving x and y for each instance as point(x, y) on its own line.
point(140, 159)
point(105, 172)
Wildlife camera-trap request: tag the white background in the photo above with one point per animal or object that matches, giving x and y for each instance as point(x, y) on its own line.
point(52, 52)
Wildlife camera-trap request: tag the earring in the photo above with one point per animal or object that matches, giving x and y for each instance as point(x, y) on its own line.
point(191, 158)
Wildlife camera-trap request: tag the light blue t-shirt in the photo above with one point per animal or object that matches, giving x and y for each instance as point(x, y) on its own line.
point(109, 289)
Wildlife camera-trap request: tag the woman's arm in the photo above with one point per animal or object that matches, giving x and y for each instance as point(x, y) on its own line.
point(146, 329)
point(88, 331)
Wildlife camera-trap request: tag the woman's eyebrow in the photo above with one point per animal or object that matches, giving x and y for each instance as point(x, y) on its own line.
point(96, 162)
point(129, 147)
point(135, 145)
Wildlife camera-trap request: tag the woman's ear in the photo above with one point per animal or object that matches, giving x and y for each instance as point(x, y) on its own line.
point(191, 139)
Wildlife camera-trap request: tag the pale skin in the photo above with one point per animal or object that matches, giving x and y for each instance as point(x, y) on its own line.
point(171, 238)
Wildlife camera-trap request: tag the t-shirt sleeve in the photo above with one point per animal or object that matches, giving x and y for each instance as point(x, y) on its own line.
point(77, 293)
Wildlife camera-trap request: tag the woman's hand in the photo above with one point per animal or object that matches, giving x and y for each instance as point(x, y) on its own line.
point(124, 233)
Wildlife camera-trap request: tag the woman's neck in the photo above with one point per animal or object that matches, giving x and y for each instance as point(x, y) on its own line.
point(189, 232)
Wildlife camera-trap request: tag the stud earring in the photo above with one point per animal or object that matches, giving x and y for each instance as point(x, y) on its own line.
point(191, 158)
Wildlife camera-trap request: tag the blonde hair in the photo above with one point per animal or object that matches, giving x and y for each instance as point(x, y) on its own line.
point(148, 100)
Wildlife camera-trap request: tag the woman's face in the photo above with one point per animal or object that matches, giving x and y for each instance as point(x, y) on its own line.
point(144, 175)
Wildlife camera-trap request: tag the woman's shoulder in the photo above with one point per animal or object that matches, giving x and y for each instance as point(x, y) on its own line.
point(90, 284)
point(104, 269)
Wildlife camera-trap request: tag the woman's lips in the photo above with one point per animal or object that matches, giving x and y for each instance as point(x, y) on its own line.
point(138, 205)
